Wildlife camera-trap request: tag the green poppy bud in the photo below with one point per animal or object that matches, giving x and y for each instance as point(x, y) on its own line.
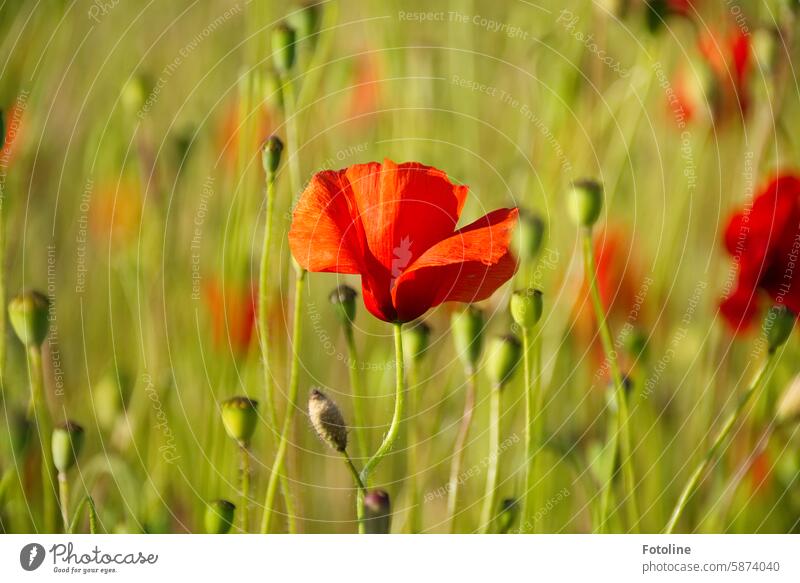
point(283, 47)
point(415, 341)
point(503, 358)
point(778, 326)
point(240, 415)
point(343, 298)
point(611, 392)
point(636, 344)
point(271, 154)
point(327, 420)
point(28, 313)
point(20, 431)
point(585, 202)
point(67, 442)
point(135, 93)
point(306, 21)
point(509, 509)
point(219, 517)
point(529, 236)
point(111, 395)
point(526, 307)
point(467, 326)
point(377, 512)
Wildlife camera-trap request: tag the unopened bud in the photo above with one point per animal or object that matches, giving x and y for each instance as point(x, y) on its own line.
point(526, 307)
point(111, 396)
point(306, 21)
point(343, 298)
point(467, 328)
point(20, 431)
point(377, 512)
point(504, 356)
point(327, 420)
point(67, 441)
point(778, 326)
point(240, 415)
point(509, 509)
point(530, 235)
point(28, 314)
point(636, 344)
point(283, 47)
point(415, 341)
point(135, 94)
point(219, 517)
point(271, 154)
point(585, 202)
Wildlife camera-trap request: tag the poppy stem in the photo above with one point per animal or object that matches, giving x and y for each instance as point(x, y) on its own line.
point(490, 496)
point(358, 392)
point(412, 463)
point(37, 411)
point(459, 447)
point(291, 406)
point(623, 427)
point(354, 472)
point(394, 429)
point(63, 495)
point(534, 402)
point(722, 435)
point(245, 485)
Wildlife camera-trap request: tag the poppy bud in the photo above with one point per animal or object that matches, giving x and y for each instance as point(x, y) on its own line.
point(110, 397)
point(219, 517)
point(377, 512)
point(306, 21)
point(327, 420)
point(271, 154)
point(504, 355)
point(135, 93)
point(467, 326)
point(530, 235)
point(636, 344)
point(240, 415)
point(415, 341)
point(526, 307)
point(20, 430)
point(343, 298)
point(611, 392)
point(585, 202)
point(778, 326)
point(765, 48)
point(283, 47)
point(28, 315)
point(66, 444)
point(508, 515)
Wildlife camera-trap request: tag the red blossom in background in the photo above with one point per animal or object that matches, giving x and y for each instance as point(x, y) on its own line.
point(233, 314)
point(395, 225)
point(765, 243)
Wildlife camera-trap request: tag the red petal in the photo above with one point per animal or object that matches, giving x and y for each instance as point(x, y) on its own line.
point(466, 267)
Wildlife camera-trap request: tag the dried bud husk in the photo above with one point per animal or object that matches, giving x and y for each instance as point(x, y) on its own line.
point(530, 235)
point(415, 341)
point(778, 326)
point(467, 326)
point(327, 420)
point(219, 517)
point(585, 201)
point(526, 307)
point(28, 313)
point(283, 47)
point(271, 154)
point(67, 441)
point(509, 509)
point(240, 415)
point(377, 512)
point(504, 356)
point(343, 298)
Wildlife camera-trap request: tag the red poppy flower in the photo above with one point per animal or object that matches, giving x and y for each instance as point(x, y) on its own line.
point(233, 315)
point(395, 225)
point(765, 243)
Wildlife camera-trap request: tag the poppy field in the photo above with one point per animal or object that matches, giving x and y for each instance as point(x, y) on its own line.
point(400, 267)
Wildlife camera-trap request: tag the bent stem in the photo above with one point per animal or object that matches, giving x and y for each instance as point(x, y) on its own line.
point(394, 429)
point(354, 472)
point(245, 485)
point(458, 451)
point(37, 410)
point(722, 435)
point(291, 406)
point(358, 393)
point(490, 496)
point(63, 496)
point(623, 429)
point(534, 402)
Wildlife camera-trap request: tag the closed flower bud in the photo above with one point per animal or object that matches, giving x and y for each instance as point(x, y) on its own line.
point(503, 358)
point(778, 326)
point(636, 344)
point(283, 47)
point(343, 298)
point(20, 430)
point(530, 235)
point(508, 515)
point(28, 314)
point(111, 396)
point(135, 94)
point(611, 392)
point(67, 442)
point(585, 202)
point(271, 154)
point(240, 415)
point(306, 21)
point(467, 328)
point(327, 420)
point(415, 341)
point(526, 307)
point(219, 517)
point(377, 512)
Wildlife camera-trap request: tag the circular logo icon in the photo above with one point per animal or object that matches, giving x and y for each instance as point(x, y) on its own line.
point(31, 556)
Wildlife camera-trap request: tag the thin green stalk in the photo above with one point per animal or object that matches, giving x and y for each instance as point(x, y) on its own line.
point(38, 411)
point(624, 442)
point(291, 404)
point(63, 496)
point(415, 514)
point(722, 435)
point(292, 134)
point(534, 402)
point(458, 451)
point(394, 429)
point(245, 485)
point(490, 496)
point(356, 388)
point(73, 526)
point(353, 472)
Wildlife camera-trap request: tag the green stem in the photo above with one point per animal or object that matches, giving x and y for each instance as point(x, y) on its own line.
point(458, 450)
point(415, 518)
point(245, 485)
point(490, 496)
point(359, 417)
point(63, 496)
point(722, 435)
point(624, 442)
point(534, 403)
point(354, 472)
point(291, 405)
point(292, 134)
point(38, 411)
point(394, 429)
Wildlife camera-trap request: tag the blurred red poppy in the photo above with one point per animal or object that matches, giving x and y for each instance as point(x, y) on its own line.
point(233, 315)
point(395, 225)
point(765, 244)
point(116, 214)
